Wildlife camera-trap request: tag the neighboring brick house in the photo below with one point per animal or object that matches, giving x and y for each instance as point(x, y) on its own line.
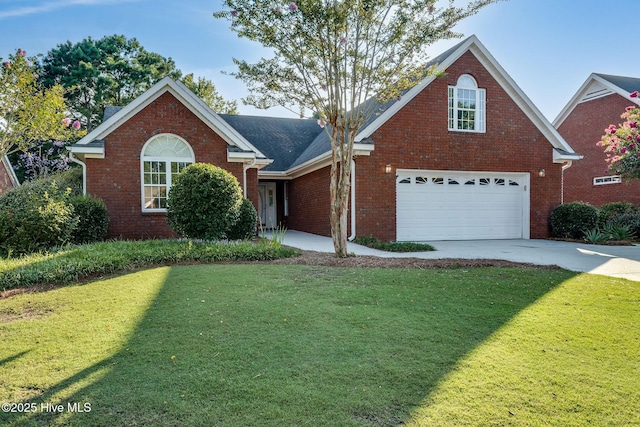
point(597, 104)
point(8, 179)
point(464, 156)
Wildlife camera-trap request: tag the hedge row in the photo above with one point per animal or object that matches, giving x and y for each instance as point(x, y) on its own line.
point(573, 220)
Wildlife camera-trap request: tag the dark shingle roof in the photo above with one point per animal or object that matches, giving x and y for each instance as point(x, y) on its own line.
point(322, 144)
point(629, 84)
point(109, 111)
point(278, 138)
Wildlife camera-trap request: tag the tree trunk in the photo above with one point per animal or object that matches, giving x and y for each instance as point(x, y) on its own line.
point(340, 189)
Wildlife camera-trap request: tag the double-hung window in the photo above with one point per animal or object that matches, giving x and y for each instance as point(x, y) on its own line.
point(467, 105)
point(163, 157)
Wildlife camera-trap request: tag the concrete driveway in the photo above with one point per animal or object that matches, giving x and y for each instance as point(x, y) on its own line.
point(615, 261)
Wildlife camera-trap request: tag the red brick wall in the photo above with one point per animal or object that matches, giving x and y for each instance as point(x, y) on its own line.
point(116, 178)
point(582, 130)
point(309, 203)
point(5, 181)
point(417, 137)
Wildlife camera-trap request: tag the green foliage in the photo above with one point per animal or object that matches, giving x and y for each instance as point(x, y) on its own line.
point(571, 220)
point(622, 144)
point(110, 71)
point(595, 236)
point(114, 70)
point(372, 242)
point(612, 212)
point(35, 217)
point(28, 113)
point(619, 232)
point(632, 221)
point(204, 202)
point(206, 91)
point(93, 219)
point(71, 180)
point(288, 345)
point(330, 58)
point(71, 263)
point(246, 226)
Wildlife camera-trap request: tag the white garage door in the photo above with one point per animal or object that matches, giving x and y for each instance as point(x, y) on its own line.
point(446, 205)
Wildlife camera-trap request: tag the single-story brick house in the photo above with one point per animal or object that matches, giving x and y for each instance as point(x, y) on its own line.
point(598, 103)
point(464, 156)
point(8, 179)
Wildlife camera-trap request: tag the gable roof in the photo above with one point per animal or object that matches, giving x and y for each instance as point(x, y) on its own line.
point(384, 111)
point(597, 86)
point(116, 117)
point(322, 144)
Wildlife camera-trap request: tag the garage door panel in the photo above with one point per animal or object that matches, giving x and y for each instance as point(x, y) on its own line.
point(438, 205)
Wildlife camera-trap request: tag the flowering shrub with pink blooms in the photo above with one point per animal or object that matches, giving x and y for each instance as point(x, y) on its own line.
point(622, 144)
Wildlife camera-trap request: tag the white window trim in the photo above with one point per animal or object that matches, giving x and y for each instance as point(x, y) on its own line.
point(167, 160)
point(607, 180)
point(465, 81)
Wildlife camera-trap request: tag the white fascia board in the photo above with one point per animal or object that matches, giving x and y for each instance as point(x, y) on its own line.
point(319, 162)
point(363, 149)
point(519, 97)
point(12, 174)
point(312, 165)
point(562, 158)
point(413, 92)
point(575, 100)
point(240, 157)
point(572, 102)
point(206, 114)
point(274, 175)
point(188, 99)
point(324, 160)
point(89, 152)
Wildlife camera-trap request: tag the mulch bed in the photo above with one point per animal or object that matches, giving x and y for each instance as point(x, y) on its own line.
point(330, 260)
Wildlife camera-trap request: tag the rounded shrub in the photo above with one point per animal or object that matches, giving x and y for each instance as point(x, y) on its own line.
point(35, 216)
point(93, 219)
point(246, 226)
point(615, 213)
point(204, 202)
point(571, 220)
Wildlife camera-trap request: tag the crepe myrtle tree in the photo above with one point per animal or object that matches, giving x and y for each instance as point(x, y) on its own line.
point(622, 144)
point(330, 56)
point(29, 114)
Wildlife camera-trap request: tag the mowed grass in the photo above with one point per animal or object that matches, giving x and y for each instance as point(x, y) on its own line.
point(264, 345)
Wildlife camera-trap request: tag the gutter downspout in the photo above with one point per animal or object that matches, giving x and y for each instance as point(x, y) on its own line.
point(245, 167)
point(566, 166)
point(353, 201)
point(74, 159)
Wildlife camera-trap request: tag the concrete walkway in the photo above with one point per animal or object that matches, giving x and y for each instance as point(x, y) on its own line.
point(615, 261)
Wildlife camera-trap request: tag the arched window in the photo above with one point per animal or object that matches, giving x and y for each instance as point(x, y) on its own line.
point(467, 105)
point(163, 157)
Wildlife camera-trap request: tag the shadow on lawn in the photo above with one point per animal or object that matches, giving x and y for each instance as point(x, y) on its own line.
point(363, 349)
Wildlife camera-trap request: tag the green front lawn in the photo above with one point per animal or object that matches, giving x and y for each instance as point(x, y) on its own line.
point(254, 345)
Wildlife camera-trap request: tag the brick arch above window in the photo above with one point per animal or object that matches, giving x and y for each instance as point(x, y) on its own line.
point(162, 158)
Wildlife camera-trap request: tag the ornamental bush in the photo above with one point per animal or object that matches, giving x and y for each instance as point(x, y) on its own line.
point(204, 202)
point(571, 220)
point(613, 213)
point(93, 220)
point(246, 226)
point(35, 216)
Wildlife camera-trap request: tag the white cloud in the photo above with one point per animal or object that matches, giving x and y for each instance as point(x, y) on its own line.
point(48, 6)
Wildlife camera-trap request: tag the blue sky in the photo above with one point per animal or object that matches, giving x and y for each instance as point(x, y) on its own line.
point(549, 47)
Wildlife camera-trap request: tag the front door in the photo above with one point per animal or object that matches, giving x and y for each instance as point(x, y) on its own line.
point(267, 204)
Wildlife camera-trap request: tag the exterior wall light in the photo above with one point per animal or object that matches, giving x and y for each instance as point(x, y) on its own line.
point(542, 173)
point(387, 169)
